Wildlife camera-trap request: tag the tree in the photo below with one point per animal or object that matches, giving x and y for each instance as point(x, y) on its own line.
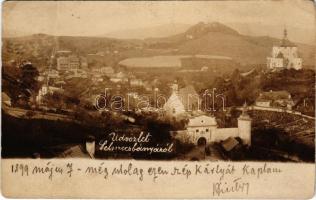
point(28, 78)
point(20, 83)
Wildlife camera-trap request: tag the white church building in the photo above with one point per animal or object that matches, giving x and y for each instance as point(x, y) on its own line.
point(182, 102)
point(203, 129)
point(284, 56)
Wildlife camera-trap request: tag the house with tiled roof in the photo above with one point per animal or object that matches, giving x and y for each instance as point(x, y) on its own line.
point(229, 144)
point(278, 99)
point(86, 150)
point(76, 151)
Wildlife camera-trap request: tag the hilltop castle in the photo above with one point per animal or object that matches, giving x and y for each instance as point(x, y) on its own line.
point(284, 56)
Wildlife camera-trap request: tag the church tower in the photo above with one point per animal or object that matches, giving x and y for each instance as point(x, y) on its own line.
point(175, 87)
point(244, 126)
point(285, 41)
point(284, 56)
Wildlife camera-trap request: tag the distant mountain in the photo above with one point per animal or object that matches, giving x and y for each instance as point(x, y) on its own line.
point(6, 32)
point(216, 38)
point(300, 35)
point(156, 31)
point(203, 38)
point(38, 48)
point(197, 31)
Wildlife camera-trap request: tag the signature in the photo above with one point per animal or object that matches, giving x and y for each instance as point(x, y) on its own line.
point(236, 186)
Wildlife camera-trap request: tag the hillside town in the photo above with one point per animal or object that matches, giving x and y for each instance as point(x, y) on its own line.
point(210, 106)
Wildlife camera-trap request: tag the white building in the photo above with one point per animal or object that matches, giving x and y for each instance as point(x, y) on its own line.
point(182, 102)
point(203, 130)
point(74, 62)
point(54, 74)
point(46, 90)
point(119, 77)
point(68, 63)
point(134, 82)
point(62, 63)
point(76, 73)
point(83, 62)
point(108, 71)
point(284, 56)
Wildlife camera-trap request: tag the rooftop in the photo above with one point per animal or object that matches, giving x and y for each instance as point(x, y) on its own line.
point(5, 97)
point(229, 144)
point(76, 151)
point(202, 120)
point(274, 95)
point(188, 96)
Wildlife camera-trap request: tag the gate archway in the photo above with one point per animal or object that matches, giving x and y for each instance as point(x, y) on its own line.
point(201, 141)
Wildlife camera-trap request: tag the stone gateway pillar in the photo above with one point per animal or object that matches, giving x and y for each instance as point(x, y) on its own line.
point(244, 126)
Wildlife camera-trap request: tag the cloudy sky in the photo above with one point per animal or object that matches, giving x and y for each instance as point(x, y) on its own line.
point(99, 18)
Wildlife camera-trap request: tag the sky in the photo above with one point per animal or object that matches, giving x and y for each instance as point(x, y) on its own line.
point(78, 18)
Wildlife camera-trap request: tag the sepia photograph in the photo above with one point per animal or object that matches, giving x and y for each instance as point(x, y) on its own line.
point(196, 81)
